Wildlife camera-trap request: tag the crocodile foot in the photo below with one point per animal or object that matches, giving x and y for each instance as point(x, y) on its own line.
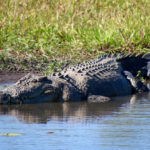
point(98, 98)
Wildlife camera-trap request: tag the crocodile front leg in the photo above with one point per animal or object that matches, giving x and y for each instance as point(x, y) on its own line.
point(137, 85)
point(98, 98)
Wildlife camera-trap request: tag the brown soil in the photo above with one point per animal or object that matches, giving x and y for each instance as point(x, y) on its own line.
point(11, 77)
point(12, 69)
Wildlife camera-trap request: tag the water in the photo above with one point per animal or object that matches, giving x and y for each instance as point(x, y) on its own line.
point(121, 124)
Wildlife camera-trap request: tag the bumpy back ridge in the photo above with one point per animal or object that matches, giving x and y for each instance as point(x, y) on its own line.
point(132, 63)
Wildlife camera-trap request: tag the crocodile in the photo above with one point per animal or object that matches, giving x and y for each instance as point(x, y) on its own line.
point(100, 79)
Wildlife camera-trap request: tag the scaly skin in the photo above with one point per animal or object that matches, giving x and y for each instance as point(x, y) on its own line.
point(107, 76)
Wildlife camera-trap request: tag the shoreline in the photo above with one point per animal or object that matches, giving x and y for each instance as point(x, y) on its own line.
point(12, 77)
point(11, 70)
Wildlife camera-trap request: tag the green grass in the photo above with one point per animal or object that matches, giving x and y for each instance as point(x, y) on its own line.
point(73, 30)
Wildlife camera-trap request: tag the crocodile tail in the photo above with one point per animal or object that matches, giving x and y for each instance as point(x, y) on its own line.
point(135, 63)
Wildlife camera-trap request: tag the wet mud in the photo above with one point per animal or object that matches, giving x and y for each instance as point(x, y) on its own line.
point(12, 77)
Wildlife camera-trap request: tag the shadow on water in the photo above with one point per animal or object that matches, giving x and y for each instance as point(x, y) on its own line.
point(74, 111)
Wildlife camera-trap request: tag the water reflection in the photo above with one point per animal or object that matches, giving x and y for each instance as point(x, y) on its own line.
point(121, 124)
point(128, 128)
point(74, 112)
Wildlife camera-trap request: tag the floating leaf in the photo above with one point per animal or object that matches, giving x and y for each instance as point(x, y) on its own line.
point(50, 132)
point(10, 134)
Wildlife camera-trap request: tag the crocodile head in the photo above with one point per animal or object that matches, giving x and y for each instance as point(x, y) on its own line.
point(31, 89)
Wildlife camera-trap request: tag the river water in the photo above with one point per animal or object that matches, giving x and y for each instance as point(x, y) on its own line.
point(122, 124)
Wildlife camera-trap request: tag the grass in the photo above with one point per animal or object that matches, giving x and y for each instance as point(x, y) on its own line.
point(72, 30)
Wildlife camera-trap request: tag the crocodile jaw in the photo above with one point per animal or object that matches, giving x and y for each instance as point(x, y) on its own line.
point(31, 89)
point(43, 96)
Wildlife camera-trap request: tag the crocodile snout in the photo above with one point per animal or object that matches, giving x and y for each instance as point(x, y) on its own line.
point(4, 98)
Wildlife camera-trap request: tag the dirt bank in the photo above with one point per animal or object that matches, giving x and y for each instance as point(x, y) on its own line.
point(12, 69)
point(12, 77)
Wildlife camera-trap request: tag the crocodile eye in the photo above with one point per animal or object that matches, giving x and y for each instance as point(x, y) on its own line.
point(9, 99)
point(49, 91)
point(34, 80)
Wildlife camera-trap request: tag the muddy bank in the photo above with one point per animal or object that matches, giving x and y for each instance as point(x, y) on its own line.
point(22, 65)
point(12, 69)
point(25, 64)
point(12, 77)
